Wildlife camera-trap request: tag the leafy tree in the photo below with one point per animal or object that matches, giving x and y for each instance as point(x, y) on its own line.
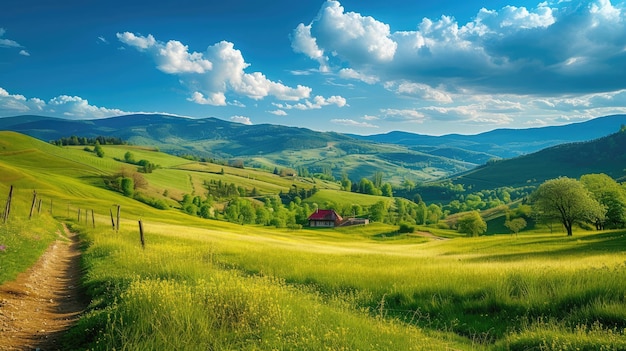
point(515, 224)
point(129, 157)
point(472, 224)
point(566, 199)
point(346, 184)
point(127, 186)
point(611, 195)
point(98, 150)
point(434, 214)
point(378, 211)
point(386, 190)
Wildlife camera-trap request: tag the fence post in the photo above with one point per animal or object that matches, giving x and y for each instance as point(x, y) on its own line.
point(79, 216)
point(7, 208)
point(118, 218)
point(112, 220)
point(143, 243)
point(39, 206)
point(93, 219)
point(32, 206)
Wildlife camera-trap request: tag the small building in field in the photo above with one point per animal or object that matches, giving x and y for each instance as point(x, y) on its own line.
point(325, 218)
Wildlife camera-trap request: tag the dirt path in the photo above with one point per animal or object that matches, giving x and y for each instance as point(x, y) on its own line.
point(43, 302)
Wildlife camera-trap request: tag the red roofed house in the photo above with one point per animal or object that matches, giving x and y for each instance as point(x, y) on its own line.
point(324, 218)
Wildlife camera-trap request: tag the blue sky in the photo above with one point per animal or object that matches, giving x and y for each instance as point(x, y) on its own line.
point(355, 66)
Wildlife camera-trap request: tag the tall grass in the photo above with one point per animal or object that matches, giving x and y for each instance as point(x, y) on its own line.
point(179, 294)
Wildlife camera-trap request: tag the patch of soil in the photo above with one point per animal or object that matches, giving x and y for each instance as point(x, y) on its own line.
point(45, 301)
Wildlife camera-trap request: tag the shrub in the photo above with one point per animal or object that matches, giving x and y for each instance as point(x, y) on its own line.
point(406, 228)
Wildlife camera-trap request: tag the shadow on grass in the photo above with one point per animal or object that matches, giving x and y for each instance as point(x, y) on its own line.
point(563, 246)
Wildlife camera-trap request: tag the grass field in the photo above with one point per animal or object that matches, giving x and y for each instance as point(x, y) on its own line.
point(211, 285)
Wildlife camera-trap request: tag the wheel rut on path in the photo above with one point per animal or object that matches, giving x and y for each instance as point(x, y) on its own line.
point(39, 306)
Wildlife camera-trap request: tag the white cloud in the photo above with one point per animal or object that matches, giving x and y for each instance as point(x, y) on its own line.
point(349, 73)
point(215, 99)
point(241, 119)
point(61, 106)
point(278, 112)
point(214, 73)
point(24, 53)
point(370, 118)
point(403, 115)
point(303, 42)
point(422, 91)
point(557, 47)
point(353, 123)
point(7, 43)
point(317, 103)
point(172, 57)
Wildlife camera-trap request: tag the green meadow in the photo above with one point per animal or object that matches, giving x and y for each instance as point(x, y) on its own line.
point(210, 285)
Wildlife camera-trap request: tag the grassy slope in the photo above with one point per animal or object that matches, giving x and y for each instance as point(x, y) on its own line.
point(224, 286)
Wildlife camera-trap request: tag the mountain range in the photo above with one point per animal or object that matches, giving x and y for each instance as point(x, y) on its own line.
point(398, 155)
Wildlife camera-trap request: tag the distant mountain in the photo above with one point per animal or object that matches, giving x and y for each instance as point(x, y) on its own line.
point(398, 155)
point(604, 155)
point(505, 143)
point(262, 145)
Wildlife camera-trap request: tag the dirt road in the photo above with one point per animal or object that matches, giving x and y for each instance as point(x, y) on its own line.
point(43, 302)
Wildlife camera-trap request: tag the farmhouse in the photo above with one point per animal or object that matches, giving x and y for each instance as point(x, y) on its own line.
point(325, 218)
point(330, 219)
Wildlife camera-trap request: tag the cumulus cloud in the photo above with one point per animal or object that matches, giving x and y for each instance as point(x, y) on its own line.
point(278, 112)
point(403, 115)
point(422, 91)
point(557, 47)
point(317, 103)
point(241, 119)
point(212, 74)
point(71, 107)
point(353, 123)
point(24, 53)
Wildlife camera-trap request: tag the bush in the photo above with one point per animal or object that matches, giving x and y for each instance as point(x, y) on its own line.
point(406, 228)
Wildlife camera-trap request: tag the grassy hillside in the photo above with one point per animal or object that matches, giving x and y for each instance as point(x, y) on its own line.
point(264, 145)
point(203, 284)
point(604, 155)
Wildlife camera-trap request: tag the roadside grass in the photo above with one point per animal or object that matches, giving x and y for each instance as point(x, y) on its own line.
point(178, 293)
point(22, 241)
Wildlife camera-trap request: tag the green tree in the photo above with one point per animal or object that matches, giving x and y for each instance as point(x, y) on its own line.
point(386, 190)
point(346, 184)
point(127, 186)
point(98, 150)
point(434, 214)
point(611, 195)
point(378, 211)
point(129, 157)
point(515, 224)
point(566, 199)
point(472, 224)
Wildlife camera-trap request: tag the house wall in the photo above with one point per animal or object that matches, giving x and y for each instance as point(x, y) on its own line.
point(321, 223)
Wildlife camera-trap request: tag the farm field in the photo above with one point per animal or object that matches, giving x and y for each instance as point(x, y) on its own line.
point(211, 285)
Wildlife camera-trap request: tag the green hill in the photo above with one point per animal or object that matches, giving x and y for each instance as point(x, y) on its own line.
point(604, 155)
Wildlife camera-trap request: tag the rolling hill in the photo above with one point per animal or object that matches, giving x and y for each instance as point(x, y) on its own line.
point(603, 155)
point(264, 146)
point(398, 155)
